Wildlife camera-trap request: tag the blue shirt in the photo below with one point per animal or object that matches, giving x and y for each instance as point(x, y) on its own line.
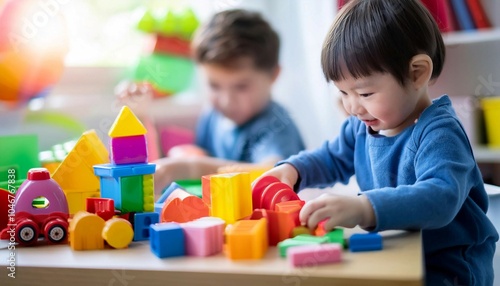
point(271, 133)
point(423, 178)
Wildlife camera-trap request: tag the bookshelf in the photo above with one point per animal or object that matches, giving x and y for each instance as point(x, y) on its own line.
point(471, 37)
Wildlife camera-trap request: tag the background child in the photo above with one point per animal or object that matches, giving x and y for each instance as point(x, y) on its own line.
point(238, 54)
point(410, 154)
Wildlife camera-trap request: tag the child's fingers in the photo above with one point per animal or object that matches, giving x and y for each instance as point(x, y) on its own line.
point(309, 208)
point(318, 216)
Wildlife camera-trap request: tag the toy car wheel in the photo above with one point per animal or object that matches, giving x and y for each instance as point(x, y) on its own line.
point(27, 232)
point(56, 231)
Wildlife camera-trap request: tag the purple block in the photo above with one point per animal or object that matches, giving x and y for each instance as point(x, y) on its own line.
point(129, 150)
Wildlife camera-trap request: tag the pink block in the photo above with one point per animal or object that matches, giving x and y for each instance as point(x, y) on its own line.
point(128, 150)
point(204, 236)
point(172, 136)
point(313, 255)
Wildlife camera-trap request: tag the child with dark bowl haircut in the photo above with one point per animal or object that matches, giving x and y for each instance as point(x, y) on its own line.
point(238, 53)
point(410, 154)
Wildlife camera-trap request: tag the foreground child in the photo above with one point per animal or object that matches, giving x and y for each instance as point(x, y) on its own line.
point(410, 154)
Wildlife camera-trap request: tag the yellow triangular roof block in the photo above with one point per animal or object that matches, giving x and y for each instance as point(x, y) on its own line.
point(76, 171)
point(126, 124)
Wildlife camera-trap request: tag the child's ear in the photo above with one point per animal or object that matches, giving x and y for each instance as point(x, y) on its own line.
point(420, 70)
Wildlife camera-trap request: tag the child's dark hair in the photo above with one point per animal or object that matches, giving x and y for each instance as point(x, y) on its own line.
point(381, 36)
point(235, 34)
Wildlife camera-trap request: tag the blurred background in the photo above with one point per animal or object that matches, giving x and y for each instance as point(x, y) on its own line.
point(61, 60)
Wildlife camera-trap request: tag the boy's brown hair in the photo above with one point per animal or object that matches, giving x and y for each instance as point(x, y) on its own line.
point(233, 35)
point(381, 36)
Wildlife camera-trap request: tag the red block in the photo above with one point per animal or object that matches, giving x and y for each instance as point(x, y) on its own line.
point(172, 46)
point(128, 150)
point(104, 208)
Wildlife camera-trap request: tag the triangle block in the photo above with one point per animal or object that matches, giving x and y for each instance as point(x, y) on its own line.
point(126, 124)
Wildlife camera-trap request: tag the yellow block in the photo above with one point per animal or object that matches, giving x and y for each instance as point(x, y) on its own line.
point(76, 171)
point(118, 232)
point(85, 231)
point(126, 124)
point(247, 239)
point(77, 199)
point(148, 193)
point(231, 196)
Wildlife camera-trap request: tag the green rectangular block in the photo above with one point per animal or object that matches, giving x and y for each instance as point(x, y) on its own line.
point(19, 152)
point(191, 186)
point(132, 196)
point(290, 242)
point(311, 238)
point(336, 236)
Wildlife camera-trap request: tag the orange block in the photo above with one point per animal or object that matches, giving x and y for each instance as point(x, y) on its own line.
point(291, 207)
point(280, 224)
point(181, 206)
point(205, 189)
point(247, 239)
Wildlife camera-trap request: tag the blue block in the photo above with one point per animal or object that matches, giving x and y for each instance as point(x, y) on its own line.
point(158, 207)
point(115, 171)
point(365, 242)
point(142, 221)
point(119, 190)
point(167, 240)
point(168, 190)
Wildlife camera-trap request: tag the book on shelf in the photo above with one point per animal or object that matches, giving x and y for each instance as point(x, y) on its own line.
point(453, 15)
point(478, 14)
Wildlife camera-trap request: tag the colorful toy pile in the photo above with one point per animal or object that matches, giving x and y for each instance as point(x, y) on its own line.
point(168, 68)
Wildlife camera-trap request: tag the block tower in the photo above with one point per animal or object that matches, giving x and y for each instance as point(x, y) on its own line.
point(128, 179)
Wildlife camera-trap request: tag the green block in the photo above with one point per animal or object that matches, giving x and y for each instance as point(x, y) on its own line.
point(336, 236)
point(19, 152)
point(191, 186)
point(290, 242)
point(132, 197)
point(311, 238)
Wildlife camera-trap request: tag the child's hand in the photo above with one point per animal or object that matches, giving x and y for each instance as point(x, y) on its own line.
point(167, 171)
point(286, 173)
point(339, 210)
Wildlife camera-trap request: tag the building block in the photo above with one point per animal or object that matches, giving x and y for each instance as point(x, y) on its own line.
point(313, 255)
point(132, 198)
point(104, 208)
point(291, 207)
point(86, 231)
point(302, 239)
point(77, 199)
point(191, 186)
point(231, 196)
point(142, 221)
point(300, 230)
point(167, 240)
point(258, 190)
point(276, 193)
point(181, 206)
point(118, 233)
point(365, 242)
point(148, 193)
point(128, 150)
point(19, 152)
point(115, 171)
point(280, 224)
point(204, 237)
point(75, 174)
point(173, 46)
point(6, 198)
point(247, 239)
point(166, 192)
point(126, 124)
point(336, 236)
